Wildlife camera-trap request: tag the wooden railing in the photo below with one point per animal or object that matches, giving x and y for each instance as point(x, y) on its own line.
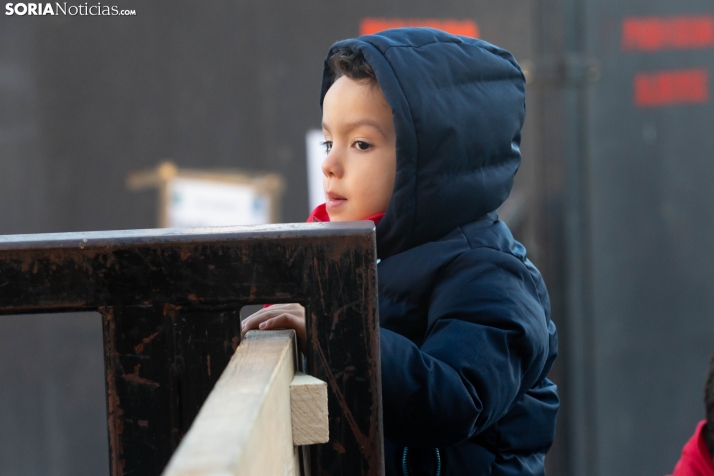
point(170, 302)
point(257, 415)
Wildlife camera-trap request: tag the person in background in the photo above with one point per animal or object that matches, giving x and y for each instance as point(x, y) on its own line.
point(696, 457)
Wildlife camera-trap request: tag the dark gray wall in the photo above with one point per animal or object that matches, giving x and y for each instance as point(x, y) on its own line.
point(52, 412)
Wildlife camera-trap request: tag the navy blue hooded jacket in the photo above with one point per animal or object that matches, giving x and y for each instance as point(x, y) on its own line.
point(466, 336)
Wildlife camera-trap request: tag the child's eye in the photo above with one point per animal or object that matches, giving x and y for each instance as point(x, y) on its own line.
point(327, 145)
point(361, 145)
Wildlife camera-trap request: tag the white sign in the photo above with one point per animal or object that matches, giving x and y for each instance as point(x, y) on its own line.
point(195, 202)
point(315, 155)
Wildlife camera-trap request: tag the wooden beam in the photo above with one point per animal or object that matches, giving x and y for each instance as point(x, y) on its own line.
point(308, 403)
point(245, 426)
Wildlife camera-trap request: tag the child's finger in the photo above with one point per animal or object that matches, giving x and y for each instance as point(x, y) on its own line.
point(279, 322)
point(268, 321)
point(252, 321)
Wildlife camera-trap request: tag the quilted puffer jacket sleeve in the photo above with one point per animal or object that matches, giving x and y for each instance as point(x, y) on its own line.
point(488, 342)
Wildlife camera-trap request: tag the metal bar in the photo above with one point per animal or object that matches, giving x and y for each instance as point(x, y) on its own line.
point(142, 398)
point(561, 111)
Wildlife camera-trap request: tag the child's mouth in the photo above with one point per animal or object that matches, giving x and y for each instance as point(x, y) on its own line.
point(334, 201)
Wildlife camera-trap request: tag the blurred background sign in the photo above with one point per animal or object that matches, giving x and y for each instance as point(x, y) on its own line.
point(315, 153)
point(197, 198)
point(369, 26)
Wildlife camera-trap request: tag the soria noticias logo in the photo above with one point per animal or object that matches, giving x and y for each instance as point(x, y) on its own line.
point(61, 8)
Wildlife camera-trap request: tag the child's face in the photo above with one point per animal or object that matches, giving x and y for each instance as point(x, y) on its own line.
point(361, 160)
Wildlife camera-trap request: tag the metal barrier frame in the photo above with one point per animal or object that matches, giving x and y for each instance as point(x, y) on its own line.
point(170, 303)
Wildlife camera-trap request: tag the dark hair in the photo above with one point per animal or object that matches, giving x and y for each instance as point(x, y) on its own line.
point(347, 62)
point(709, 404)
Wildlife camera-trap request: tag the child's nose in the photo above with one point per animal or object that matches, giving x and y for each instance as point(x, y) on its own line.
point(332, 165)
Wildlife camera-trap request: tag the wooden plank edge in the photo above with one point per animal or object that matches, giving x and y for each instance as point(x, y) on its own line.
point(244, 427)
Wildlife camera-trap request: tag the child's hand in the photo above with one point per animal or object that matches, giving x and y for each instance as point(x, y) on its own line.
point(278, 316)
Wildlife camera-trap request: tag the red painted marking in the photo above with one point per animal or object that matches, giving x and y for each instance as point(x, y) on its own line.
point(369, 26)
point(668, 33)
point(665, 88)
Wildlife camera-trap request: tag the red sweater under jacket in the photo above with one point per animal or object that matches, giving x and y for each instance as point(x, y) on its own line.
point(695, 460)
point(320, 214)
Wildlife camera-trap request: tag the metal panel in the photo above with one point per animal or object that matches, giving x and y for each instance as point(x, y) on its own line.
point(628, 219)
point(652, 228)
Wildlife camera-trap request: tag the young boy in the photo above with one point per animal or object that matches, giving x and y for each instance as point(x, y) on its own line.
point(422, 132)
point(696, 457)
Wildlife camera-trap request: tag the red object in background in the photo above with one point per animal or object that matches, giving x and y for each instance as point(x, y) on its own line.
point(667, 33)
point(695, 460)
point(369, 26)
point(664, 88)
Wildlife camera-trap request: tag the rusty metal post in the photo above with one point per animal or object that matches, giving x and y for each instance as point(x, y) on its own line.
point(161, 362)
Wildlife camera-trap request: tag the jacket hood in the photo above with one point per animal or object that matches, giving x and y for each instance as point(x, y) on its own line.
point(458, 105)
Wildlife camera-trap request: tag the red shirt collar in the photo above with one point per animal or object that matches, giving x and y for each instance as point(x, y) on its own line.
point(319, 214)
